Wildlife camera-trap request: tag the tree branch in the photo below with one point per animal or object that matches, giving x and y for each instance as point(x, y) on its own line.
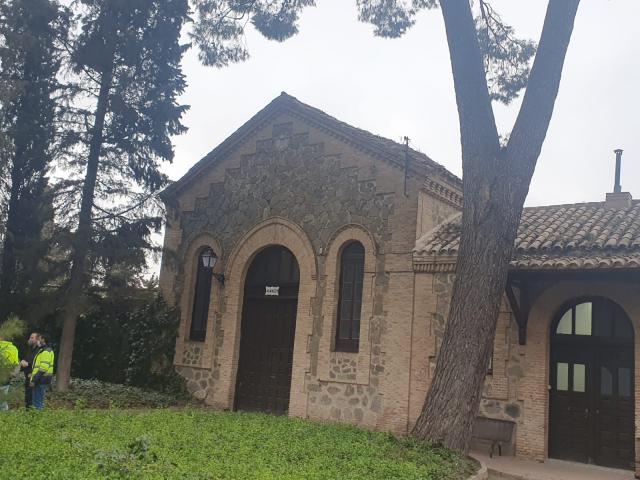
point(530, 129)
point(479, 134)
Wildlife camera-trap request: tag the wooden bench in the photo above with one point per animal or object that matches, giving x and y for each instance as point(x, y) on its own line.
point(496, 432)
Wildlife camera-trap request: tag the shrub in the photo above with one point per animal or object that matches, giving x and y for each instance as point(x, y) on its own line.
point(128, 339)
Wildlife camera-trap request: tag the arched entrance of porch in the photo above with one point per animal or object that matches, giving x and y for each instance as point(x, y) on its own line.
point(591, 394)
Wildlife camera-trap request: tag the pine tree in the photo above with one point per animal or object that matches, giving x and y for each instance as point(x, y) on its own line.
point(488, 64)
point(127, 61)
point(31, 32)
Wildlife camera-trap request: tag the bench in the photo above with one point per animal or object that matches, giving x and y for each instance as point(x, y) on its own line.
point(497, 433)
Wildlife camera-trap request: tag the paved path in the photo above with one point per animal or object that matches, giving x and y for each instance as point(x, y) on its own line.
point(510, 468)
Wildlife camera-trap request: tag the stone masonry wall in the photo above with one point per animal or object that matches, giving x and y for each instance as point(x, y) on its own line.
point(500, 398)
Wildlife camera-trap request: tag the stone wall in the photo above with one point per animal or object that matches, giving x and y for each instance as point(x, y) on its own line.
point(500, 394)
point(346, 402)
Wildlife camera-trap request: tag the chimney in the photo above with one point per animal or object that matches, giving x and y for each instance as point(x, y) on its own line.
point(618, 199)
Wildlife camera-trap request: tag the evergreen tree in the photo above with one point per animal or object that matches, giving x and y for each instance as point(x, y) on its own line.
point(30, 60)
point(127, 62)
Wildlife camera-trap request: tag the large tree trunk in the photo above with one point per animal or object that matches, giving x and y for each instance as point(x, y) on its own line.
point(454, 396)
point(74, 297)
point(496, 182)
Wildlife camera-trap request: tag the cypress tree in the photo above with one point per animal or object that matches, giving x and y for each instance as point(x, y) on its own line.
point(30, 60)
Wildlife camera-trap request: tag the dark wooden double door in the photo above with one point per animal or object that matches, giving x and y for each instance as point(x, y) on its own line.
point(268, 328)
point(591, 414)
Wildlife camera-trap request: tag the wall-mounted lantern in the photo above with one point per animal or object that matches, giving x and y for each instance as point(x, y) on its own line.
point(209, 260)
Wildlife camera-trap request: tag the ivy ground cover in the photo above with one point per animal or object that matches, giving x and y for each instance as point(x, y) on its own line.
point(201, 444)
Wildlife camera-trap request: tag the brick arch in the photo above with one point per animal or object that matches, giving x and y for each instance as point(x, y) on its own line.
point(339, 240)
point(533, 434)
point(189, 260)
point(274, 231)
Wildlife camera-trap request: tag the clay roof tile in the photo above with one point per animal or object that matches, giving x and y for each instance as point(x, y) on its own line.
point(585, 235)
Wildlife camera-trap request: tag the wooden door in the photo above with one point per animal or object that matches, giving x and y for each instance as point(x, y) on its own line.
point(267, 333)
point(266, 360)
point(614, 408)
point(570, 405)
point(591, 391)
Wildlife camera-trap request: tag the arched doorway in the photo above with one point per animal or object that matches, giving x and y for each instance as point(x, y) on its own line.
point(267, 332)
point(591, 404)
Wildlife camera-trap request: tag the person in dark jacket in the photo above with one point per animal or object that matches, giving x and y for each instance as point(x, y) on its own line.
point(26, 366)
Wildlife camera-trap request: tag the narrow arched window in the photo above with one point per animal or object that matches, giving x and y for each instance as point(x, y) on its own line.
point(202, 295)
point(350, 298)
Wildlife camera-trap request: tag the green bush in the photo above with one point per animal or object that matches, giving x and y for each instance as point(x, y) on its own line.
point(199, 444)
point(128, 339)
point(152, 331)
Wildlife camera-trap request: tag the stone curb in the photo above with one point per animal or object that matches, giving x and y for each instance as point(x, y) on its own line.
point(482, 473)
point(505, 476)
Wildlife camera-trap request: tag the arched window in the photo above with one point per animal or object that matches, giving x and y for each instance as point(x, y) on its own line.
point(350, 298)
point(202, 295)
point(596, 317)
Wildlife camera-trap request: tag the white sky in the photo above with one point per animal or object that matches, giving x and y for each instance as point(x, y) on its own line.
point(404, 87)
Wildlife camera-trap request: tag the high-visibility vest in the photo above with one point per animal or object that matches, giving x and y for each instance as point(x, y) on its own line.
point(42, 366)
point(9, 354)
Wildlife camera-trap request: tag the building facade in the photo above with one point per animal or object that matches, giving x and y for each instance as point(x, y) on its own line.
point(313, 264)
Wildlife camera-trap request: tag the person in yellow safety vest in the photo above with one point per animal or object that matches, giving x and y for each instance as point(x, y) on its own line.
point(9, 354)
point(8, 364)
point(42, 372)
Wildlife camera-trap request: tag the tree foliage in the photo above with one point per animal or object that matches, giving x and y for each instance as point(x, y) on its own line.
point(506, 58)
point(31, 100)
point(391, 18)
point(127, 336)
point(127, 62)
point(219, 26)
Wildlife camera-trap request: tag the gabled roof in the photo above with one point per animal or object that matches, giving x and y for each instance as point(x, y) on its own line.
point(574, 236)
point(375, 145)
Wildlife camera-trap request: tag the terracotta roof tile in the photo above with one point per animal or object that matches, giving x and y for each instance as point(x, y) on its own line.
point(581, 235)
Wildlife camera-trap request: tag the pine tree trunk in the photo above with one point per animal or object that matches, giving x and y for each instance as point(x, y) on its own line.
point(74, 297)
point(496, 181)
point(454, 396)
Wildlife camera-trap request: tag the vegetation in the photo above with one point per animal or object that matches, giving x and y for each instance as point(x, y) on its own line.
point(194, 444)
point(95, 394)
point(128, 337)
point(127, 62)
point(31, 36)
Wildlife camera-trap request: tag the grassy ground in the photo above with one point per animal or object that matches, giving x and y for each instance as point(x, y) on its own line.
point(201, 444)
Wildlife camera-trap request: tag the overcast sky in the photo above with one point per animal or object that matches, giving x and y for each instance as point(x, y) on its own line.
point(404, 87)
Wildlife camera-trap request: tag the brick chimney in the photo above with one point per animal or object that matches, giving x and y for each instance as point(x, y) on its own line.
point(618, 199)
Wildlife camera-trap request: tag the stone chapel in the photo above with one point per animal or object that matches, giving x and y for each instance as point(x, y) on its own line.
point(313, 264)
